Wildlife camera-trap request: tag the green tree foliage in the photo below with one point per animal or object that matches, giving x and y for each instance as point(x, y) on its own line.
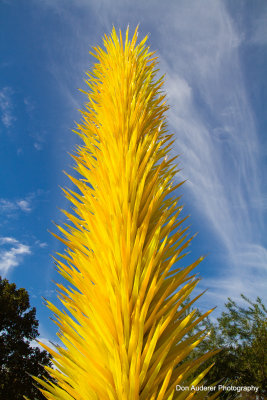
point(18, 359)
point(241, 335)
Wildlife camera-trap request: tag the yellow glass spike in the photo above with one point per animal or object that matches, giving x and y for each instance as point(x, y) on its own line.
point(124, 331)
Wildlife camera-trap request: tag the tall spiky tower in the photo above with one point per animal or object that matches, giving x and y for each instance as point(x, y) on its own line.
point(126, 331)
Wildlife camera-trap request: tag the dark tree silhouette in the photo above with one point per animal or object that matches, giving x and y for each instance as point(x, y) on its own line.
point(18, 359)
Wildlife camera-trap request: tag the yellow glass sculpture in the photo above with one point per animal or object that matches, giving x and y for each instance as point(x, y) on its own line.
point(125, 332)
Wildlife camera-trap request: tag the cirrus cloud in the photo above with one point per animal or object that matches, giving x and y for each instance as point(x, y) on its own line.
point(12, 253)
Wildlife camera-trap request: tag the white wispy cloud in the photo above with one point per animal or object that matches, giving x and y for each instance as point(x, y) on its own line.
point(40, 244)
point(7, 240)
point(215, 133)
point(12, 253)
point(6, 107)
point(211, 118)
point(24, 205)
point(258, 33)
point(8, 207)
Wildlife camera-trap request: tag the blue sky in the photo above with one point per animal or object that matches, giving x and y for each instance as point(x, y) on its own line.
point(214, 55)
